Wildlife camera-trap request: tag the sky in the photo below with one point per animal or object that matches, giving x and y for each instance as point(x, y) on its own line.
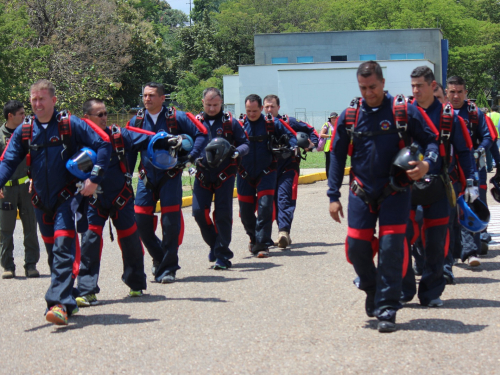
point(180, 4)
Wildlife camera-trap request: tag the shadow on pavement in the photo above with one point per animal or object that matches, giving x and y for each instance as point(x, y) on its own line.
point(146, 298)
point(292, 253)
point(209, 279)
point(475, 280)
point(465, 303)
point(434, 325)
point(485, 266)
point(82, 321)
point(255, 266)
point(314, 244)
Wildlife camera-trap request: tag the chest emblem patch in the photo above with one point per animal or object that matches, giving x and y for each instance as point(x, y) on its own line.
point(54, 139)
point(219, 131)
point(385, 125)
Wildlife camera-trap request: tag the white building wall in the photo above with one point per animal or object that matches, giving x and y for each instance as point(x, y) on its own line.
point(311, 91)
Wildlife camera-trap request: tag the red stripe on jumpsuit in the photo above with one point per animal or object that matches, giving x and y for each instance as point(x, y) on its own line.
point(398, 229)
point(359, 234)
point(124, 233)
point(176, 208)
point(97, 229)
point(76, 261)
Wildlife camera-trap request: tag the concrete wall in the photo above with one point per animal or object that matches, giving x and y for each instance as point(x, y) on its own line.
point(323, 45)
point(311, 91)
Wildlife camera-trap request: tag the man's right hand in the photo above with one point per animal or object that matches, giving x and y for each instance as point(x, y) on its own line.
point(1, 194)
point(336, 211)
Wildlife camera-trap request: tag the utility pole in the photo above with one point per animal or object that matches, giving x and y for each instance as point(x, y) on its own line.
point(189, 12)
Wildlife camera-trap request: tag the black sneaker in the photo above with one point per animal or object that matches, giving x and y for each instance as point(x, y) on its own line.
point(155, 266)
point(222, 264)
point(370, 304)
point(387, 320)
point(450, 280)
point(169, 278)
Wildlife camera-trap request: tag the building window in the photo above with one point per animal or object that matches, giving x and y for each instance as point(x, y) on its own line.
point(305, 59)
point(415, 56)
point(339, 58)
point(229, 107)
point(279, 60)
point(407, 56)
point(368, 57)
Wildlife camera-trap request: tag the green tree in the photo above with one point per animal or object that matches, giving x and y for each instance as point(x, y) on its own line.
point(18, 60)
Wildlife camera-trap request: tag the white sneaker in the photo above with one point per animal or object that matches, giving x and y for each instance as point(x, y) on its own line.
point(473, 261)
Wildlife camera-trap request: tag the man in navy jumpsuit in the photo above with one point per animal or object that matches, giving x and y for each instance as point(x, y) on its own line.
point(166, 186)
point(288, 172)
point(481, 139)
point(435, 235)
point(372, 154)
point(218, 182)
point(52, 191)
point(116, 202)
point(256, 180)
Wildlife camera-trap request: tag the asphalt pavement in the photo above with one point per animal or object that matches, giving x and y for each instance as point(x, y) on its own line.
point(296, 312)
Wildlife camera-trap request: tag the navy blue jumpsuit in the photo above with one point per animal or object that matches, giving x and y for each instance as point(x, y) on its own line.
point(371, 162)
point(481, 137)
point(50, 177)
point(256, 182)
point(122, 214)
point(288, 172)
point(166, 186)
point(219, 184)
point(434, 231)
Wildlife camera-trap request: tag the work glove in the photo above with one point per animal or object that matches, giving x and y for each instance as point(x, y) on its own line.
point(471, 194)
point(480, 156)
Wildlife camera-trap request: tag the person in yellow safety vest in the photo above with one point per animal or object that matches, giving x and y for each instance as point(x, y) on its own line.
point(495, 117)
point(17, 196)
point(326, 132)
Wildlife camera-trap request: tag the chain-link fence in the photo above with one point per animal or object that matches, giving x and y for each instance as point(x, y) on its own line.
point(121, 117)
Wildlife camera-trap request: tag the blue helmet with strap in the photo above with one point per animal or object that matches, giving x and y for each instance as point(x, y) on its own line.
point(473, 216)
point(162, 155)
point(80, 164)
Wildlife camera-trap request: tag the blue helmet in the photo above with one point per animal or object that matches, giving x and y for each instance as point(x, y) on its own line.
point(161, 156)
point(473, 216)
point(186, 145)
point(495, 190)
point(80, 164)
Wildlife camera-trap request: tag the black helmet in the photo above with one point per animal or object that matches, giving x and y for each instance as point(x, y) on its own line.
point(217, 151)
point(407, 154)
point(302, 140)
point(495, 191)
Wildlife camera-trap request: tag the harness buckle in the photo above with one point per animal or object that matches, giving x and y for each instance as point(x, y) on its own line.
point(223, 176)
point(65, 194)
point(356, 187)
point(244, 174)
point(266, 171)
point(171, 174)
point(120, 201)
point(445, 134)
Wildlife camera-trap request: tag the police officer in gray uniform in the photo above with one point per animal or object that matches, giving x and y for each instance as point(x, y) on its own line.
point(16, 192)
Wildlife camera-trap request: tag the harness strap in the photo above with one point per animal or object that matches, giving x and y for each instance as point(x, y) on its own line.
point(255, 181)
point(171, 117)
point(66, 193)
point(227, 126)
point(230, 170)
point(473, 121)
point(400, 111)
point(374, 204)
point(139, 118)
point(171, 173)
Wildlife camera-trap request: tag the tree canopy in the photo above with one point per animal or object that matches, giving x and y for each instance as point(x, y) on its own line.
point(111, 48)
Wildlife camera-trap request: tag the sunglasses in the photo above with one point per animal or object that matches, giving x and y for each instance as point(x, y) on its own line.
point(100, 114)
